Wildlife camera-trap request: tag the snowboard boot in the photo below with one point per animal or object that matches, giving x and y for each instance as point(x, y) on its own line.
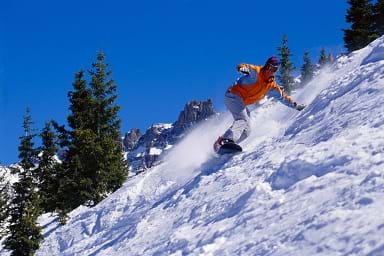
point(220, 142)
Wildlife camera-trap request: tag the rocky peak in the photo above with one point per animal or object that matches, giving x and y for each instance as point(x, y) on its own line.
point(131, 138)
point(156, 135)
point(144, 151)
point(194, 112)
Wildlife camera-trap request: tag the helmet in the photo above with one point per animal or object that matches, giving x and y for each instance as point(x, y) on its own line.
point(273, 61)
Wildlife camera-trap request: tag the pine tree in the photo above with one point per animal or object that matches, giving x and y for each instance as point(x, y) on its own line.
point(361, 33)
point(307, 70)
point(94, 165)
point(286, 67)
point(47, 169)
point(323, 59)
point(80, 104)
point(107, 156)
point(75, 185)
point(378, 14)
point(25, 233)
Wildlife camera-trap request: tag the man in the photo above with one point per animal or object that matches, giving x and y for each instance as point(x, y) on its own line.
point(251, 87)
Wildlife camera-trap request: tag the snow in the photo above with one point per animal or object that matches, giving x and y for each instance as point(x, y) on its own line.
point(162, 126)
point(7, 174)
point(155, 151)
point(140, 151)
point(308, 183)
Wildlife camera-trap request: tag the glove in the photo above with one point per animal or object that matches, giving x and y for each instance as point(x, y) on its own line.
point(299, 107)
point(244, 70)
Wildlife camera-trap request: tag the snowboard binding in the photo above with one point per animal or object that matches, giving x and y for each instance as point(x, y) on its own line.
point(224, 146)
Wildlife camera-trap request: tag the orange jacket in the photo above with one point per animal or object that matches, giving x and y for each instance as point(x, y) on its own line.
point(253, 93)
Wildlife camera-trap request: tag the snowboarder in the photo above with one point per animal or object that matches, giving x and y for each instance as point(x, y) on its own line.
point(253, 84)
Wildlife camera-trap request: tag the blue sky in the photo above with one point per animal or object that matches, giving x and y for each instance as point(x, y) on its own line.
point(162, 53)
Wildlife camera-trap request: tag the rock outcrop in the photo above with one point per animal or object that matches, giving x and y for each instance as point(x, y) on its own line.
point(144, 150)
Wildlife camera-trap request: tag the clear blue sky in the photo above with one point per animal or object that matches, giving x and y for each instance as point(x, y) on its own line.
point(162, 53)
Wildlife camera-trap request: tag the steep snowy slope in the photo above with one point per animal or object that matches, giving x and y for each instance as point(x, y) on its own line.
point(308, 183)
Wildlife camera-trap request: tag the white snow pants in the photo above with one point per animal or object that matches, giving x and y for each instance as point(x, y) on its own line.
point(241, 127)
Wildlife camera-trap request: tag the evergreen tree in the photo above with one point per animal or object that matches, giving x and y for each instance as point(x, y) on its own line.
point(307, 70)
point(106, 159)
point(378, 13)
point(361, 33)
point(74, 186)
point(62, 136)
point(75, 183)
point(80, 104)
point(47, 169)
point(286, 66)
point(25, 233)
point(94, 165)
point(323, 59)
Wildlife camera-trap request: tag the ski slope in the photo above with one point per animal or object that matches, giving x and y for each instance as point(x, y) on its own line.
point(308, 183)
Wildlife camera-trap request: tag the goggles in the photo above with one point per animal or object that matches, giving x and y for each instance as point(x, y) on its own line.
point(271, 67)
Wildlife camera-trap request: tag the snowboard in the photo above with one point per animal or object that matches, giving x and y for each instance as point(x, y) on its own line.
point(229, 148)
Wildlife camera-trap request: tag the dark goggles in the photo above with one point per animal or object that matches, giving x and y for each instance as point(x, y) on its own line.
point(271, 67)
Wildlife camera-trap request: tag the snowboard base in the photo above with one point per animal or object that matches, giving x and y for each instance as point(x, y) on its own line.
point(229, 148)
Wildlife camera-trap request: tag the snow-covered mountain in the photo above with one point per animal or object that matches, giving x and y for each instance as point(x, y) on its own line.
point(144, 151)
point(308, 183)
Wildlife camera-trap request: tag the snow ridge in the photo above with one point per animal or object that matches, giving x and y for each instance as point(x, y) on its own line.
point(308, 183)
